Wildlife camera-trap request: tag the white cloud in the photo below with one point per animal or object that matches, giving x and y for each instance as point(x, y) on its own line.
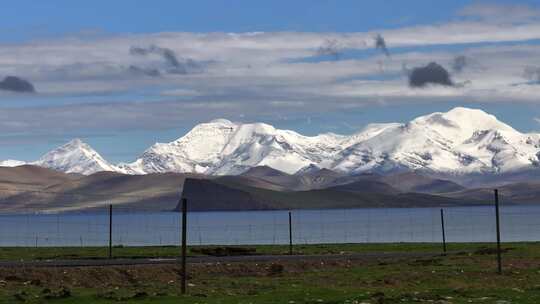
point(260, 74)
point(108, 58)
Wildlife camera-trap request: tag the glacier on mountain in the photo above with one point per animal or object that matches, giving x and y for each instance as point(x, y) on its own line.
point(75, 157)
point(460, 141)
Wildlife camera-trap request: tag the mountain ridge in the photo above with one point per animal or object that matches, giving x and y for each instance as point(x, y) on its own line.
point(31, 188)
point(459, 142)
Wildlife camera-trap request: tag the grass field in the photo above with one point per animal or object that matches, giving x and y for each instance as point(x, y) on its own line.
point(466, 275)
point(48, 253)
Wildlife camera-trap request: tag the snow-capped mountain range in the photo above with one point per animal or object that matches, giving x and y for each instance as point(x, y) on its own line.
point(460, 141)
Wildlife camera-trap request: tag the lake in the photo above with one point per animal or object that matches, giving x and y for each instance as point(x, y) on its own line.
point(463, 224)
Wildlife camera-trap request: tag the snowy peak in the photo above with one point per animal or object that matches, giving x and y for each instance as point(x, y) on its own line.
point(459, 123)
point(11, 163)
point(75, 157)
point(460, 141)
point(223, 147)
point(197, 151)
point(474, 117)
point(216, 134)
point(461, 115)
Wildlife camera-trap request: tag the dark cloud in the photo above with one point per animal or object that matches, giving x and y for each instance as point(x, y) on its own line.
point(174, 64)
point(330, 47)
point(532, 74)
point(380, 44)
point(170, 58)
point(16, 84)
point(139, 51)
point(144, 71)
point(432, 73)
point(168, 55)
point(459, 63)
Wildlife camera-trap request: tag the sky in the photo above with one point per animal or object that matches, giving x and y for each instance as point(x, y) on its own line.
point(122, 75)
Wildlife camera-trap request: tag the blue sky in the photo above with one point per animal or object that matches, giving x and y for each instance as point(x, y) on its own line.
point(31, 19)
point(253, 61)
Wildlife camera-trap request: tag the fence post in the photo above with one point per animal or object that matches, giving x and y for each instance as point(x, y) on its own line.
point(290, 234)
point(184, 244)
point(110, 231)
point(443, 232)
point(497, 218)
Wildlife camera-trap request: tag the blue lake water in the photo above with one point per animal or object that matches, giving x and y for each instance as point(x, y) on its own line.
point(463, 224)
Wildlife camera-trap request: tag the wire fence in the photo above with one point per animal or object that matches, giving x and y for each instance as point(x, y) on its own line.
point(148, 227)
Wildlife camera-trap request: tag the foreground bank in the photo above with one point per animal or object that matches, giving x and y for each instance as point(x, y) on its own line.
point(467, 275)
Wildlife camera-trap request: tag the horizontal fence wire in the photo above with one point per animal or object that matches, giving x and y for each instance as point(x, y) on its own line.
point(147, 227)
point(154, 225)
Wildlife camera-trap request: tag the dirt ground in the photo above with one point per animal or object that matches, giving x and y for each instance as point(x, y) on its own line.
point(459, 277)
point(128, 276)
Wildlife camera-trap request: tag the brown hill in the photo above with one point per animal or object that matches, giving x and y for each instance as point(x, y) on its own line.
point(36, 189)
point(212, 195)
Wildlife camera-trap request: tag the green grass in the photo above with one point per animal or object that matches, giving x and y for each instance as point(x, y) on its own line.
point(47, 253)
point(465, 276)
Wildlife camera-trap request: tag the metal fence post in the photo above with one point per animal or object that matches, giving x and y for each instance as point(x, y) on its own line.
point(184, 244)
point(443, 232)
point(110, 231)
point(290, 234)
point(498, 223)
